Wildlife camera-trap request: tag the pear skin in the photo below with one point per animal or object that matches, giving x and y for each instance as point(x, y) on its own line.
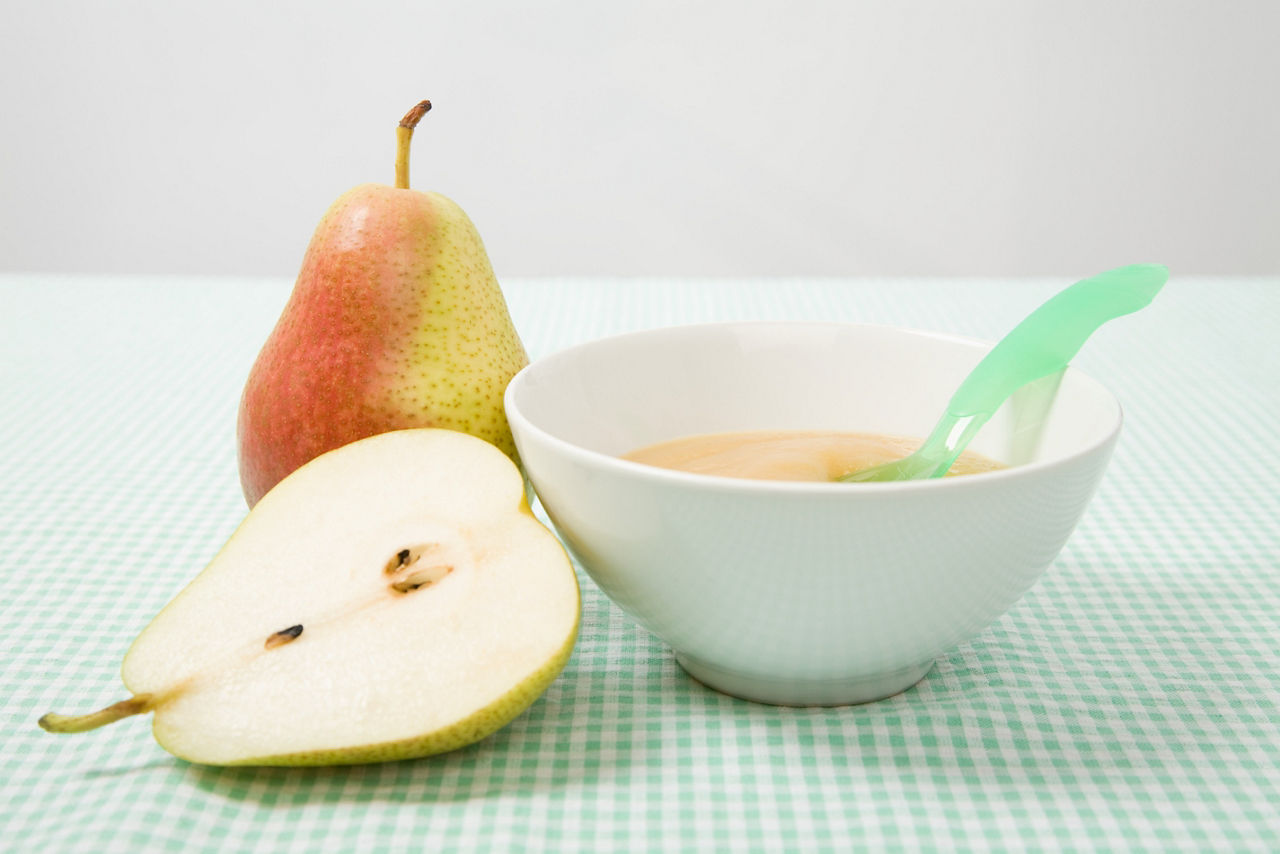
point(396, 321)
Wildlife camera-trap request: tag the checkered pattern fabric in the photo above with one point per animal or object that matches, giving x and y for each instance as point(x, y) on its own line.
point(1130, 701)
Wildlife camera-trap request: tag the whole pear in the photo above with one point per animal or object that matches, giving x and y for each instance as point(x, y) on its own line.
point(396, 321)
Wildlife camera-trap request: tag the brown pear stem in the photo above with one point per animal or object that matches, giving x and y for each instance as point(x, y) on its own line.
point(404, 133)
point(135, 705)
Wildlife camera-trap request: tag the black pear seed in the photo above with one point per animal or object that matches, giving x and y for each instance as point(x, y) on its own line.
point(283, 636)
point(398, 562)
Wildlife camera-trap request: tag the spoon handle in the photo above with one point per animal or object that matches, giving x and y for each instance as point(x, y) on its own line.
point(1047, 340)
point(1042, 344)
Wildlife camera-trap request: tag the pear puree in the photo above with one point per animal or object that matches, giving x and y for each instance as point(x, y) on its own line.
point(790, 454)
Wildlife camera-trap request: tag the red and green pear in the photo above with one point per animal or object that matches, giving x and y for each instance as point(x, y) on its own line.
point(396, 321)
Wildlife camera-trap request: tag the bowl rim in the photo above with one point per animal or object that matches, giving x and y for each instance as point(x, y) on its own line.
point(721, 483)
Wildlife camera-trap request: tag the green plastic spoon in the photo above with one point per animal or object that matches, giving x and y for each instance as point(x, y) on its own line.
point(1042, 344)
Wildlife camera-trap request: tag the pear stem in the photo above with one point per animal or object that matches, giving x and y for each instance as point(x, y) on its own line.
point(404, 133)
point(135, 705)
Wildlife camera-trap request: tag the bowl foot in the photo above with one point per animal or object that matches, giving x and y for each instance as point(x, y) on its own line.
point(804, 692)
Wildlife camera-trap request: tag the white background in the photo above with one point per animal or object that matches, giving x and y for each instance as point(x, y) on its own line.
point(616, 138)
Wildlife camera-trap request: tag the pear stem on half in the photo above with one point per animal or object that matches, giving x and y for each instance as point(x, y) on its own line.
point(135, 705)
point(404, 133)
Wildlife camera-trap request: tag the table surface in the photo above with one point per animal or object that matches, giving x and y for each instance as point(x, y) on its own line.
point(1129, 700)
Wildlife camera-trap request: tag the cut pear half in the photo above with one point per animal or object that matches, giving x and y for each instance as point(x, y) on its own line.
point(392, 598)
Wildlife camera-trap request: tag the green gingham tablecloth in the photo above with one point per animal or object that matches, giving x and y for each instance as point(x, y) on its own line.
point(1130, 700)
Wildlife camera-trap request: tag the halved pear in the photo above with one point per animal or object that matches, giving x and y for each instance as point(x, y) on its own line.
point(392, 598)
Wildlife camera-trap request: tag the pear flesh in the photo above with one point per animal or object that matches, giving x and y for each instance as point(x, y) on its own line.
point(389, 599)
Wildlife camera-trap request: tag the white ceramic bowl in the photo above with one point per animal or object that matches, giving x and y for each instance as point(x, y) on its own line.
point(803, 593)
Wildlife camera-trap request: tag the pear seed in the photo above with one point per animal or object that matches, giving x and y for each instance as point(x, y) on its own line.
point(421, 578)
point(400, 559)
point(283, 636)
